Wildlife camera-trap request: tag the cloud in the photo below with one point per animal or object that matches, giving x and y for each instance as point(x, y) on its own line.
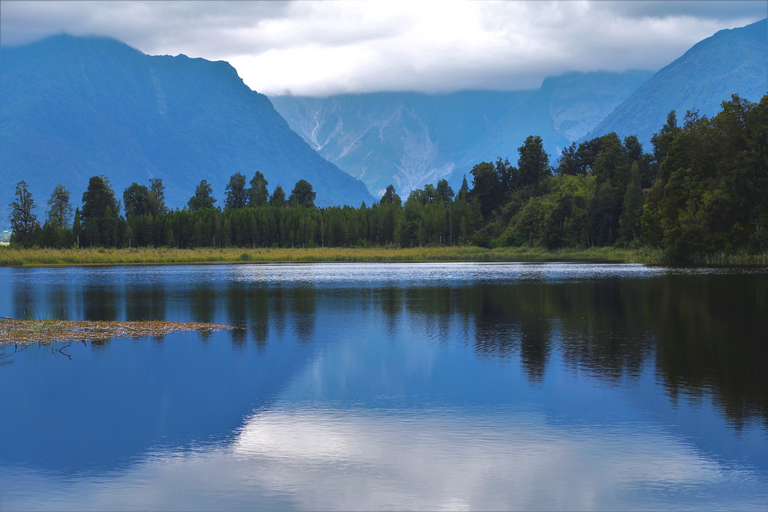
point(319, 48)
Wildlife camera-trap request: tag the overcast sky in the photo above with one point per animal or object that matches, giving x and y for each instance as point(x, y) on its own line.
point(320, 48)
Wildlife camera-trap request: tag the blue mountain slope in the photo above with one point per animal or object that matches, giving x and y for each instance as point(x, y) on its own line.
point(729, 62)
point(564, 109)
point(75, 107)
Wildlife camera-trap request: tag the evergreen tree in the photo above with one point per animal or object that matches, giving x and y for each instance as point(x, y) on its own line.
point(136, 200)
point(302, 195)
point(568, 165)
point(170, 239)
point(108, 234)
point(444, 191)
point(632, 208)
point(506, 174)
point(533, 164)
point(23, 220)
point(157, 196)
point(278, 197)
point(60, 211)
point(257, 193)
point(390, 196)
point(96, 199)
point(464, 190)
point(236, 194)
point(202, 199)
point(664, 138)
point(486, 188)
point(77, 227)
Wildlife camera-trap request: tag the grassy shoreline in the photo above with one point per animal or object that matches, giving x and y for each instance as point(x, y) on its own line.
point(148, 256)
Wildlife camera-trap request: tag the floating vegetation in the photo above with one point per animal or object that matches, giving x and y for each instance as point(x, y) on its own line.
point(24, 332)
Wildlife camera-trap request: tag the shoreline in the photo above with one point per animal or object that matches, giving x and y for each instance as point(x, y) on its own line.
point(166, 256)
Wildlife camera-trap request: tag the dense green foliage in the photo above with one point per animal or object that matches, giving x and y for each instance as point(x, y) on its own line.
point(23, 220)
point(701, 191)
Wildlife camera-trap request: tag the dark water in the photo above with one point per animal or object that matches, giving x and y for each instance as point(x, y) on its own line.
point(434, 386)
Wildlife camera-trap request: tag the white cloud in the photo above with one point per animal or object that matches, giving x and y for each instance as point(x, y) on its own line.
point(329, 47)
point(354, 460)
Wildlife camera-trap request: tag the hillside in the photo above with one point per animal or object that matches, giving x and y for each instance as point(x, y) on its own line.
point(75, 107)
point(731, 61)
point(564, 109)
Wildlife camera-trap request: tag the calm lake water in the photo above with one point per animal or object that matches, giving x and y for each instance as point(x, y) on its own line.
point(388, 386)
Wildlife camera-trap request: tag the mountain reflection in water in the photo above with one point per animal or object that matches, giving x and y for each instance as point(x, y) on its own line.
point(365, 386)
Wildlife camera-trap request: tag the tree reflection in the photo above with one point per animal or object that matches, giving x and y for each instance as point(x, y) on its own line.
point(100, 302)
point(259, 308)
point(703, 334)
point(202, 300)
point(237, 299)
point(390, 300)
point(145, 303)
point(303, 310)
point(23, 298)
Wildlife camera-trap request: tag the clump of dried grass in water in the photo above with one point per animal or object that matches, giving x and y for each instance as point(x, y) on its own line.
point(24, 332)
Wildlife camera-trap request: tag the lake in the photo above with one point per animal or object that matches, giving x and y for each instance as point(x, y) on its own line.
point(392, 386)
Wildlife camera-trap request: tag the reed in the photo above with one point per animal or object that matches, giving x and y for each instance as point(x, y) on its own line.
point(149, 255)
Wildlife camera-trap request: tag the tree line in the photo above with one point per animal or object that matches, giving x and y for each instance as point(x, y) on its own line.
point(701, 189)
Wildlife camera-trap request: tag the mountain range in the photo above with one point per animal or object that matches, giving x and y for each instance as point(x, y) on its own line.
point(400, 138)
point(409, 139)
point(74, 107)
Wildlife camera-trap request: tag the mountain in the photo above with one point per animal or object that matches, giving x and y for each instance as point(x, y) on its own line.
point(563, 110)
point(731, 61)
point(409, 139)
point(401, 138)
point(74, 107)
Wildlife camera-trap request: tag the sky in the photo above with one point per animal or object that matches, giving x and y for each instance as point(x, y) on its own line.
point(318, 48)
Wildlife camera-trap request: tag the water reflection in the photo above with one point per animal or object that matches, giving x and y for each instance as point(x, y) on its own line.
point(145, 304)
point(704, 331)
point(398, 386)
point(431, 461)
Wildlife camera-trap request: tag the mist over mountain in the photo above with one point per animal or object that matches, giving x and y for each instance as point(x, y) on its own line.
point(410, 139)
point(729, 62)
point(75, 107)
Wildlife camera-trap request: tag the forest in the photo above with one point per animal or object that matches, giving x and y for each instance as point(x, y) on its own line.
point(701, 189)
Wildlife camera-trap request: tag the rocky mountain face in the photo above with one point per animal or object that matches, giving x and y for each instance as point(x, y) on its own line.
point(73, 107)
point(405, 139)
point(730, 62)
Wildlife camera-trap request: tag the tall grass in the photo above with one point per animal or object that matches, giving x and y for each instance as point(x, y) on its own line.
point(102, 256)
